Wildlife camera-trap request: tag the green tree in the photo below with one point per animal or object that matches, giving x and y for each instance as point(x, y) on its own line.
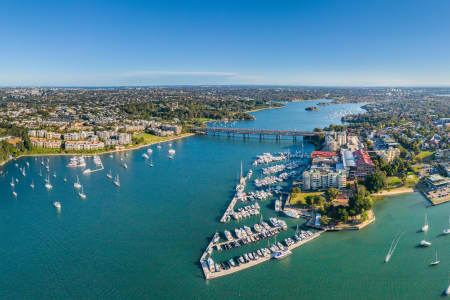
point(376, 181)
point(331, 193)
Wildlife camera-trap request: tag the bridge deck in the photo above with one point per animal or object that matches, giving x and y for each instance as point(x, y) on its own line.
point(256, 131)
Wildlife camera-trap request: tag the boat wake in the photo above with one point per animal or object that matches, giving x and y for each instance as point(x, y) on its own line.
point(392, 248)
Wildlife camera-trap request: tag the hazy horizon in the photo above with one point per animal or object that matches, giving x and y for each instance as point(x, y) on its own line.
point(303, 43)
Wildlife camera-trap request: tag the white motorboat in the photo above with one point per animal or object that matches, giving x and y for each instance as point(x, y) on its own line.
point(109, 175)
point(424, 243)
point(57, 205)
point(12, 182)
point(291, 214)
point(32, 184)
point(281, 254)
point(145, 156)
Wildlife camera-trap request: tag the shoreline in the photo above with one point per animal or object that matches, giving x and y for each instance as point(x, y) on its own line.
point(402, 190)
point(267, 108)
point(99, 153)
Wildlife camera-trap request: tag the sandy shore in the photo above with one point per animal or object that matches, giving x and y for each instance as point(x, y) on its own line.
point(100, 153)
point(402, 190)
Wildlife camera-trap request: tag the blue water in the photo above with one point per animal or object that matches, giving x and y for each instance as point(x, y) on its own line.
point(144, 239)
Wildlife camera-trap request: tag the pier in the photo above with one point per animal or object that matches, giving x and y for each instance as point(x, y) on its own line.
point(261, 133)
point(212, 275)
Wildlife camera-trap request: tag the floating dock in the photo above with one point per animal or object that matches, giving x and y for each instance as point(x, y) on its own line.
point(211, 275)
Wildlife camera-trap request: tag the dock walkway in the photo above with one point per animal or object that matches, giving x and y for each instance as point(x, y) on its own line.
point(212, 275)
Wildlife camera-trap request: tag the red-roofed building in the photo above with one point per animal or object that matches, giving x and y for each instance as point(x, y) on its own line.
point(323, 154)
point(364, 164)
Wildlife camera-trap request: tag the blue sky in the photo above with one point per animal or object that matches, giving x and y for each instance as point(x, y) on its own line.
point(313, 42)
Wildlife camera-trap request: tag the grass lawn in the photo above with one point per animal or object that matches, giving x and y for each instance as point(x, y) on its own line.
point(203, 120)
point(150, 138)
point(395, 182)
point(298, 198)
point(412, 180)
point(425, 155)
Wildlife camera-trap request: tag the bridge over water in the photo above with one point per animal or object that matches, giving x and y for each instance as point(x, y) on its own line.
point(255, 132)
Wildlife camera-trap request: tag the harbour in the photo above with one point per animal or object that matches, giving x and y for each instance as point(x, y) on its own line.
point(134, 241)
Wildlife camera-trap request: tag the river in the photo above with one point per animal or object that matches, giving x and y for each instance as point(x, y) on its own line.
point(144, 239)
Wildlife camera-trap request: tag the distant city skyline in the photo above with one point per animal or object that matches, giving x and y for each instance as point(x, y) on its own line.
point(287, 43)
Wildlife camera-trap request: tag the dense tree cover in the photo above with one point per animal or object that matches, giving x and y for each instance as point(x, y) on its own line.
point(398, 167)
point(331, 193)
point(376, 181)
point(194, 109)
point(315, 200)
point(360, 201)
point(7, 149)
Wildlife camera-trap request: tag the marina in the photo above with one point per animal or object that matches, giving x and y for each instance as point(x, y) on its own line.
point(248, 262)
point(188, 193)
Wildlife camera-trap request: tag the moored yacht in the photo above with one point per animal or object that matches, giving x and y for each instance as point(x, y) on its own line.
point(424, 243)
point(48, 185)
point(82, 194)
point(291, 214)
point(77, 184)
point(116, 181)
point(57, 205)
point(281, 254)
point(32, 184)
point(12, 182)
point(109, 175)
point(447, 231)
point(435, 261)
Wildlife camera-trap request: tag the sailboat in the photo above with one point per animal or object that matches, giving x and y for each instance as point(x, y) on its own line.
point(12, 182)
point(57, 205)
point(32, 184)
point(109, 175)
point(159, 146)
point(82, 194)
point(151, 163)
point(14, 193)
point(425, 225)
point(171, 153)
point(116, 181)
point(40, 172)
point(48, 185)
point(436, 261)
point(65, 179)
point(447, 231)
point(77, 184)
point(125, 165)
point(54, 175)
